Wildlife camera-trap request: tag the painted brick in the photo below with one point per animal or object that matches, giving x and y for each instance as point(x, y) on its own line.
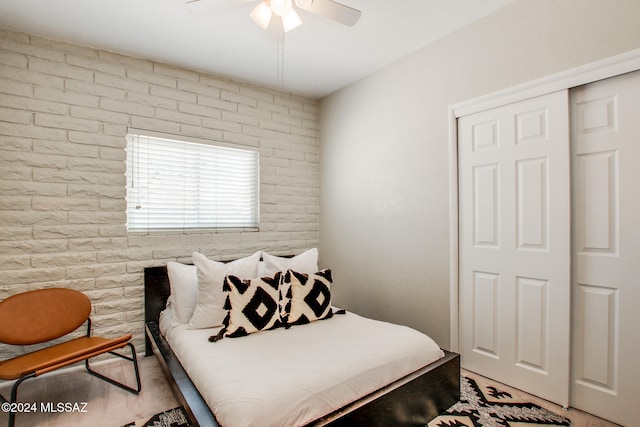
point(65, 122)
point(32, 188)
point(65, 259)
point(238, 99)
point(63, 204)
point(97, 139)
point(201, 132)
point(95, 64)
point(131, 62)
point(119, 230)
point(30, 246)
point(24, 46)
point(217, 103)
point(145, 76)
point(28, 159)
point(92, 88)
point(64, 115)
point(101, 115)
point(254, 112)
point(240, 138)
point(199, 110)
point(13, 59)
point(83, 244)
point(121, 83)
point(67, 149)
point(30, 76)
point(107, 191)
point(176, 117)
point(153, 101)
point(11, 87)
point(126, 107)
point(240, 118)
point(171, 93)
point(69, 176)
point(278, 127)
point(198, 88)
point(65, 231)
point(32, 275)
point(29, 104)
point(91, 217)
point(170, 70)
point(65, 97)
point(15, 262)
point(224, 125)
point(157, 125)
point(114, 130)
point(96, 165)
point(15, 116)
point(221, 83)
point(65, 47)
point(17, 129)
point(59, 69)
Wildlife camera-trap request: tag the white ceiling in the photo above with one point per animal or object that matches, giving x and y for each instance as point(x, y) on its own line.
point(320, 56)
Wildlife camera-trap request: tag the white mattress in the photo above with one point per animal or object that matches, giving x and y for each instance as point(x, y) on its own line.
point(290, 377)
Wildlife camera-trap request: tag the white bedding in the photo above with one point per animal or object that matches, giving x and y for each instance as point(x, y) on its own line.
point(290, 377)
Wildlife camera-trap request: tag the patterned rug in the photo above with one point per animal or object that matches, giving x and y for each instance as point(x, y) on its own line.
point(171, 418)
point(484, 406)
point(489, 407)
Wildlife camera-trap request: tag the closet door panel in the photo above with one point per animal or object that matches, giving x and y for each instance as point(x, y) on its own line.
point(515, 244)
point(606, 259)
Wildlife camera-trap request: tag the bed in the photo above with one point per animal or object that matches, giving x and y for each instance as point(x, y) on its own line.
point(411, 399)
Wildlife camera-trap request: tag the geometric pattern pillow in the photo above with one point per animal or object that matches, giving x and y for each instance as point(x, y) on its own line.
point(209, 311)
point(252, 305)
point(310, 296)
point(306, 262)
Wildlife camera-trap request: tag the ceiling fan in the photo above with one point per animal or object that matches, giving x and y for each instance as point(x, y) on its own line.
point(286, 10)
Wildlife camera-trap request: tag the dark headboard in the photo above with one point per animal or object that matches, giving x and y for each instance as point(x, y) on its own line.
point(156, 292)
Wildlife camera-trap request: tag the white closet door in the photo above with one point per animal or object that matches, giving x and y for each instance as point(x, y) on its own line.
point(606, 259)
point(514, 177)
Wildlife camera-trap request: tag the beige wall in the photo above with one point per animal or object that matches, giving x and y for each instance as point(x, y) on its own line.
point(64, 114)
point(384, 227)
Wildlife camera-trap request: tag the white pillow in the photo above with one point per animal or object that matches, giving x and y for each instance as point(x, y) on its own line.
point(209, 311)
point(183, 280)
point(262, 269)
point(306, 262)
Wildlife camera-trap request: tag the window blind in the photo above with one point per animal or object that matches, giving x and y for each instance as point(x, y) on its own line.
point(177, 185)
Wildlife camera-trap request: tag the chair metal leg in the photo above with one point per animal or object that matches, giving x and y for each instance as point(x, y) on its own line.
point(14, 397)
point(132, 359)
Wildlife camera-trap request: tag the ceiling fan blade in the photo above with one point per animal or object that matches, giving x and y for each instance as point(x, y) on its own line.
point(332, 10)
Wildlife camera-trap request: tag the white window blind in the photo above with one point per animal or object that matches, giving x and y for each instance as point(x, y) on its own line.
point(177, 185)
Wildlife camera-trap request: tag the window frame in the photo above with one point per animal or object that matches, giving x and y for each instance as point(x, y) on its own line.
point(188, 229)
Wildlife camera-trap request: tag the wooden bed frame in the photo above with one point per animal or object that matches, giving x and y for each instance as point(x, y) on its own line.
point(413, 400)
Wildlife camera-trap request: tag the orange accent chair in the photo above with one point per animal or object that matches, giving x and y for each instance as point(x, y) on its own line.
point(43, 315)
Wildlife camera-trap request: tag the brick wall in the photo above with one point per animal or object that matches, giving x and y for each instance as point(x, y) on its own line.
point(64, 114)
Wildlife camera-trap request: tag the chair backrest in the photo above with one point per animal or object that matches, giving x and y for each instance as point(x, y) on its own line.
point(34, 317)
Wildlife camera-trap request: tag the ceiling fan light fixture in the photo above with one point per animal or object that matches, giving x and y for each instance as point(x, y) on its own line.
point(262, 14)
point(304, 3)
point(281, 7)
point(290, 21)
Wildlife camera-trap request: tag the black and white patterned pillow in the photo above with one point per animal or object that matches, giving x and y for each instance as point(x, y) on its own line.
point(310, 296)
point(252, 305)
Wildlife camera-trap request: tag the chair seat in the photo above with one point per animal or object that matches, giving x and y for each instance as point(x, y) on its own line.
point(59, 355)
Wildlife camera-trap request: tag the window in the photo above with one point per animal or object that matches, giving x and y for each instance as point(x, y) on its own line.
point(179, 184)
